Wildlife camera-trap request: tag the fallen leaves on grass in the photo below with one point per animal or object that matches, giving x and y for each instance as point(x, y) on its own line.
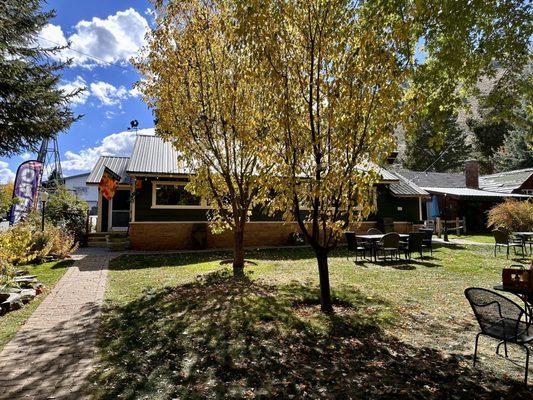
point(222, 338)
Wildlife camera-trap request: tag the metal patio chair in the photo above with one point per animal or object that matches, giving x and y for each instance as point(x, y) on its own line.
point(390, 243)
point(415, 243)
point(374, 231)
point(355, 246)
point(427, 242)
point(500, 318)
point(504, 239)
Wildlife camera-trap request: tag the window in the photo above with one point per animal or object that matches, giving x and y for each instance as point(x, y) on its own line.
point(173, 195)
point(80, 190)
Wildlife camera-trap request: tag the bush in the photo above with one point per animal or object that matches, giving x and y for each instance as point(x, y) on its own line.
point(7, 273)
point(25, 243)
point(16, 244)
point(67, 210)
point(512, 215)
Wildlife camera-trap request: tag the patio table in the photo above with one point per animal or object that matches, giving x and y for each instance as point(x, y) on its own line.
point(375, 238)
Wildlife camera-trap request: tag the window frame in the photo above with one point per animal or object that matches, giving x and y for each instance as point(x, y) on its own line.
point(202, 204)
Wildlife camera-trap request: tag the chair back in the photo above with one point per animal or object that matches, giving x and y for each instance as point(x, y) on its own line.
point(500, 236)
point(374, 231)
point(351, 240)
point(496, 315)
point(416, 239)
point(391, 240)
point(428, 234)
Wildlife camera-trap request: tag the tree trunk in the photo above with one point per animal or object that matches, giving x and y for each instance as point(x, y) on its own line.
point(238, 253)
point(323, 273)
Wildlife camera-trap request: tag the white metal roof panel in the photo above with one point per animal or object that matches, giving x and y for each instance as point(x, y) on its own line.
point(152, 155)
point(115, 164)
point(468, 192)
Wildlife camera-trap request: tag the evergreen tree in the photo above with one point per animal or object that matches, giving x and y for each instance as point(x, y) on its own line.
point(32, 108)
point(438, 143)
point(517, 151)
point(504, 121)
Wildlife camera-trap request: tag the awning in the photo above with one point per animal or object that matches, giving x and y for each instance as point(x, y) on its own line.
point(468, 193)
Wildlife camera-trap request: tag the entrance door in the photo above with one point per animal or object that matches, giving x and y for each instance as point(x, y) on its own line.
point(120, 210)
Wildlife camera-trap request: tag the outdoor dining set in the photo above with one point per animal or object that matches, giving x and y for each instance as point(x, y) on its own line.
point(374, 244)
point(512, 240)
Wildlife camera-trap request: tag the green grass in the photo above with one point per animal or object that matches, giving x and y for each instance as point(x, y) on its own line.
point(174, 329)
point(482, 238)
point(48, 274)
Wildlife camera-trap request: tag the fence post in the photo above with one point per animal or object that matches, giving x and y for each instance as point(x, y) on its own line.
point(464, 225)
point(439, 227)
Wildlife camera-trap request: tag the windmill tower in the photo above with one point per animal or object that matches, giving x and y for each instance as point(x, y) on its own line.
point(49, 156)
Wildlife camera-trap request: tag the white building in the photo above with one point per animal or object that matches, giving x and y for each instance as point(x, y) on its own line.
point(76, 184)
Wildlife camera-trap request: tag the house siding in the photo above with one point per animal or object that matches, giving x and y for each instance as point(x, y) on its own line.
point(388, 206)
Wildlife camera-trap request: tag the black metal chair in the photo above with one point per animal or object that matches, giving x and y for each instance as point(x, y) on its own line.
point(415, 243)
point(374, 231)
point(504, 239)
point(354, 246)
point(390, 243)
point(427, 242)
point(500, 318)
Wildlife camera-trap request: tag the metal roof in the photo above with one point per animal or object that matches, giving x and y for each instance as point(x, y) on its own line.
point(435, 179)
point(76, 176)
point(152, 155)
point(471, 193)
point(115, 164)
point(505, 182)
point(405, 188)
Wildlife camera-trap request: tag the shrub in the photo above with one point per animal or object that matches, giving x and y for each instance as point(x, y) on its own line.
point(512, 215)
point(67, 210)
point(16, 244)
point(55, 241)
point(25, 243)
point(7, 273)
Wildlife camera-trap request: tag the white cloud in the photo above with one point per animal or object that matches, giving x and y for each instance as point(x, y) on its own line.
point(52, 35)
point(116, 144)
point(72, 86)
point(6, 175)
point(116, 38)
point(108, 94)
point(25, 156)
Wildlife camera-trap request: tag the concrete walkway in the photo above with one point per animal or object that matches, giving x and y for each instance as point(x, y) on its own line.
point(52, 354)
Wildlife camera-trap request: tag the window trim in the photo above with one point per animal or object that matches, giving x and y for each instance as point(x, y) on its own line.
point(200, 206)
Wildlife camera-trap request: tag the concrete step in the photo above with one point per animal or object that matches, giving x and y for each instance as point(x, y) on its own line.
point(104, 234)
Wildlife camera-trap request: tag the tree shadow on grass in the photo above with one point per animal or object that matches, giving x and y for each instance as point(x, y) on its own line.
point(218, 338)
point(400, 264)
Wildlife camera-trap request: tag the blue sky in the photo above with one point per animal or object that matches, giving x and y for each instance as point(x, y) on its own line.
point(111, 31)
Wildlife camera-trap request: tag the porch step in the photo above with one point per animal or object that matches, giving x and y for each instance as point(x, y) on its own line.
point(104, 234)
point(99, 239)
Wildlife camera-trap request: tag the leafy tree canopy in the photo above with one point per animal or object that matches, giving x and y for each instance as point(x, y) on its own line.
point(6, 198)
point(66, 210)
point(32, 108)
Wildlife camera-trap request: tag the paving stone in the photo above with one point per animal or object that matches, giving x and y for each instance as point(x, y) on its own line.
point(52, 354)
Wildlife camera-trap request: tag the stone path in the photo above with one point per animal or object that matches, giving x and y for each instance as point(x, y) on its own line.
point(52, 354)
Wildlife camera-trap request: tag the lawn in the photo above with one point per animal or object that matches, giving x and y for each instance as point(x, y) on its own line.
point(48, 274)
point(481, 238)
point(178, 326)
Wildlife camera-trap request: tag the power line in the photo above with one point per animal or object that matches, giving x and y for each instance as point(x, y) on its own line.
point(88, 55)
point(442, 153)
